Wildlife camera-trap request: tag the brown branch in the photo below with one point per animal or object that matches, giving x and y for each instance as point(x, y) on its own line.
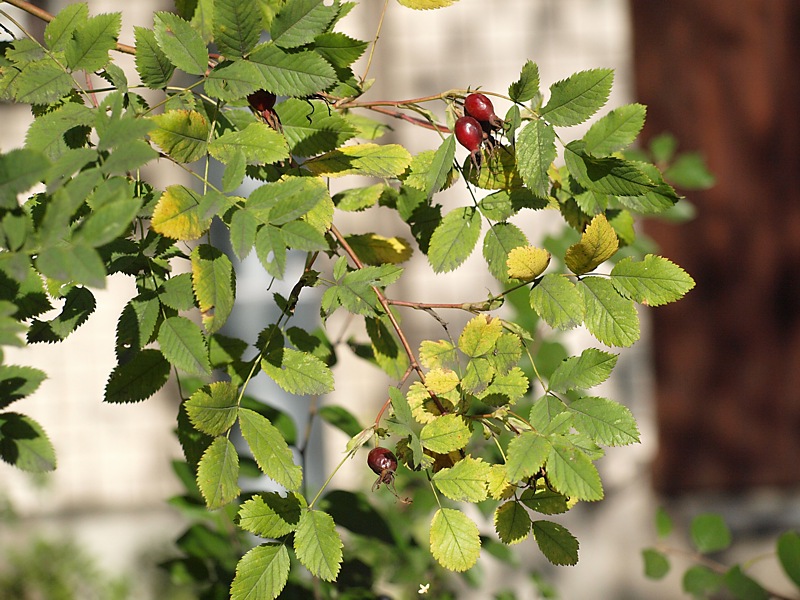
point(45, 16)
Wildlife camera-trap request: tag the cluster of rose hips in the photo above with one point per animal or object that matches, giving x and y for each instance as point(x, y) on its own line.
point(477, 125)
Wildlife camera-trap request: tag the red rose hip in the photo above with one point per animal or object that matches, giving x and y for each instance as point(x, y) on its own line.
point(481, 108)
point(261, 100)
point(382, 461)
point(469, 133)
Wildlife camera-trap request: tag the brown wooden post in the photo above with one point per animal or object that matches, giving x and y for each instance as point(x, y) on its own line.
point(724, 77)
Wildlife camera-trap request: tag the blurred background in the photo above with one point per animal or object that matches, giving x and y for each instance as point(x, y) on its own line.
point(714, 383)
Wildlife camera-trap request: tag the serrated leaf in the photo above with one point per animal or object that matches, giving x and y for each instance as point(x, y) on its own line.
point(536, 151)
point(218, 473)
point(558, 301)
point(271, 250)
point(237, 26)
point(182, 343)
point(498, 170)
point(137, 379)
point(549, 415)
point(182, 213)
point(480, 335)
point(24, 444)
point(527, 86)
point(445, 434)
point(79, 304)
point(441, 381)
point(300, 21)
point(298, 74)
point(271, 515)
point(598, 243)
point(214, 284)
point(426, 4)
point(59, 31)
point(258, 142)
point(505, 388)
point(154, 68)
point(656, 563)
point(709, 533)
point(526, 454)
point(52, 133)
point(374, 249)
point(339, 49)
point(213, 409)
point(557, 544)
point(589, 369)
point(544, 500)
point(465, 481)
point(439, 354)
point(610, 318)
point(298, 372)
point(441, 166)
point(576, 98)
point(526, 263)
point(286, 200)
point(243, 228)
point(498, 242)
point(273, 455)
point(454, 239)
point(606, 422)
point(572, 473)
point(232, 80)
point(42, 82)
point(653, 281)
point(176, 292)
point(182, 134)
point(788, 549)
point(16, 382)
point(20, 169)
point(108, 222)
point(136, 325)
point(373, 160)
point(318, 545)
point(309, 127)
point(262, 572)
point(91, 41)
point(355, 292)
point(181, 43)
point(511, 522)
point(455, 540)
point(73, 262)
point(616, 130)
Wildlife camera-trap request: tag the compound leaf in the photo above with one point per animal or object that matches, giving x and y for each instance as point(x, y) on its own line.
point(299, 74)
point(237, 26)
point(572, 472)
point(598, 243)
point(182, 134)
point(616, 130)
point(445, 434)
point(271, 515)
point(372, 160)
point(214, 284)
point(298, 372)
point(181, 43)
point(300, 21)
point(91, 41)
point(527, 453)
point(527, 86)
point(154, 68)
point(536, 151)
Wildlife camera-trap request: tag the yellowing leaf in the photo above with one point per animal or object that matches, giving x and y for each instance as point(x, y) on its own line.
point(441, 381)
point(389, 160)
point(527, 262)
point(426, 4)
point(374, 249)
point(455, 540)
point(598, 243)
point(480, 336)
point(181, 213)
point(182, 134)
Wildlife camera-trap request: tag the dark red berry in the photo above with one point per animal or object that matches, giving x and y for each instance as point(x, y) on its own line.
point(261, 100)
point(382, 461)
point(482, 109)
point(469, 133)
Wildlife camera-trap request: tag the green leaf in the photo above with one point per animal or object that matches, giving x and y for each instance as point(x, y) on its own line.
point(136, 325)
point(73, 263)
point(498, 242)
point(58, 32)
point(710, 533)
point(527, 86)
point(572, 473)
point(258, 142)
point(598, 243)
point(454, 239)
point(182, 134)
point(129, 157)
point(663, 523)
point(318, 545)
point(214, 284)
point(232, 80)
point(339, 49)
point(300, 21)
point(455, 540)
point(300, 235)
point(243, 228)
point(575, 99)
point(154, 68)
point(213, 409)
point(91, 41)
point(445, 434)
point(52, 133)
point(271, 515)
point(184, 346)
point(615, 131)
point(701, 581)
point(271, 250)
point(17, 382)
point(653, 281)
point(511, 522)
point(286, 200)
point(656, 564)
point(139, 378)
point(181, 43)
point(480, 336)
point(558, 301)
point(354, 291)
point(218, 473)
point(610, 318)
point(341, 418)
point(79, 304)
point(373, 160)
point(549, 415)
point(498, 170)
point(298, 372)
point(273, 455)
point(20, 169)
point(527, 453)
point(108, 222)
point(788, 549)
point(310, 129)
point(298, 74)
point(42, 82)
point(536, 151)
point(465, 481)
point(441, 166)
point(744, 587)
point(237, 26)
point(557, 544)
point(605, 421)
point(544, 500)
point(263, 571)
point(24, 444)
point(589, 369)
point(690, 172)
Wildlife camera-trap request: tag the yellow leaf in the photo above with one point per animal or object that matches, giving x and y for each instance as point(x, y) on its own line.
point(598, 243)
point(526, 263)
point(178, 214)
point(374, 249)
point(441, 381)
